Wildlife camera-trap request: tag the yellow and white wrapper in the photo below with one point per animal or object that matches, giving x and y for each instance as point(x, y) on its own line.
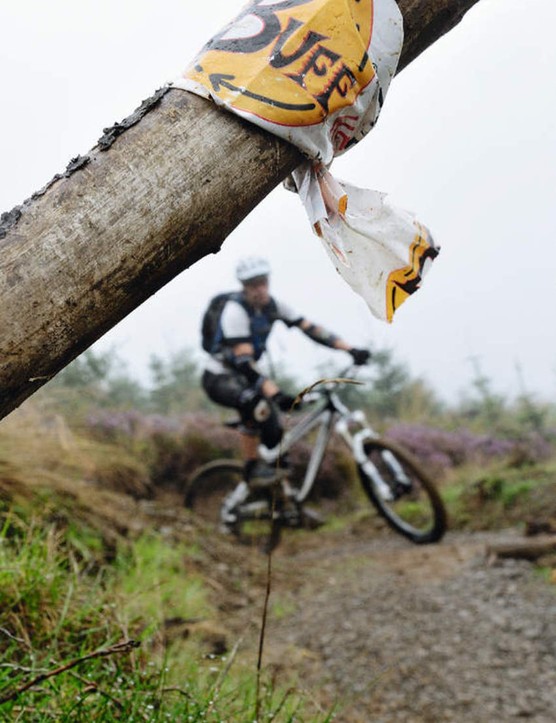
point(382, 251)
point(315, 73)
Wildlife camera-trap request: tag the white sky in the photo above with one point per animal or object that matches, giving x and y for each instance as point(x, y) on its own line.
point(467, 140)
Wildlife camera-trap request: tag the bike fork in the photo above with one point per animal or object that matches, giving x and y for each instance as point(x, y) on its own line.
point(396, 468)
point(368, 467)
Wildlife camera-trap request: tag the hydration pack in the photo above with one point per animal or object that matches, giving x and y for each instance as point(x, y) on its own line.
point(211, 319)
point(211, 334)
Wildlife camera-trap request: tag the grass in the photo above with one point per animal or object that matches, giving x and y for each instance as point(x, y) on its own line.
point(282, 607)
point(77, 578)
point(152, 583)
point(500, 496)
point(62, 613)
point(81, 573)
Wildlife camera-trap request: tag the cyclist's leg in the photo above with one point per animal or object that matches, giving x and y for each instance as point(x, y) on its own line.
point(224, 389)
point(271, 428)
point(248, 443)
point(259, 417)
point(260, 422)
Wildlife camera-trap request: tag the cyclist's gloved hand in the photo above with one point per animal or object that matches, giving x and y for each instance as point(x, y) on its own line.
point(284, 401)
point(360, 356)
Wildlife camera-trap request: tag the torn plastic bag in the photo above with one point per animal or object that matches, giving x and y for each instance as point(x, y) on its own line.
point(381, 251)
point(315, 73)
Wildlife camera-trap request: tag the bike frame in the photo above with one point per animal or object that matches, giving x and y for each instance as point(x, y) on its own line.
point(329, 415)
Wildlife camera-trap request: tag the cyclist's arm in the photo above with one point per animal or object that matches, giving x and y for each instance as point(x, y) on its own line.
point(242, 359)
point(322, 336)
point(317, 333)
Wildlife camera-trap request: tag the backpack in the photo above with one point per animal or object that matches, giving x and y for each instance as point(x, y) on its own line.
point(211, 319)
point(210, 336)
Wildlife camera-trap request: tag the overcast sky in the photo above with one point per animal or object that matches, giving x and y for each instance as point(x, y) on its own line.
point(467, 140)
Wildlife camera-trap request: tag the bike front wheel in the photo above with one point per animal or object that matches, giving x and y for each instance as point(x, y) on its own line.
point(257, 519)
point(402, 492)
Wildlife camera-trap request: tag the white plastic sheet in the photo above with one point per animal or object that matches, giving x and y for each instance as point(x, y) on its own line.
point(315, 72)
point(382, 251)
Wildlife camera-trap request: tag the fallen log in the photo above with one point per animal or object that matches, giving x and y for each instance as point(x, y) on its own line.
point(160, 190)
point(530, 549)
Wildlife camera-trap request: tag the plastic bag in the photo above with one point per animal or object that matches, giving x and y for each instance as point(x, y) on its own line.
point(381, 251)
point(315, 73)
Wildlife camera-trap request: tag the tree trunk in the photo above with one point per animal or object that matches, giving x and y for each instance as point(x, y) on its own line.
point(427, 21)
point(159, 191)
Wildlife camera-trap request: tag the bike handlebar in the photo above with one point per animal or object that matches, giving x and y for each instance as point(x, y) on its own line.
point(315, 392)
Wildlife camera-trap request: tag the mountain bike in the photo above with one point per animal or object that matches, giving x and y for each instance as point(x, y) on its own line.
point(394, 482)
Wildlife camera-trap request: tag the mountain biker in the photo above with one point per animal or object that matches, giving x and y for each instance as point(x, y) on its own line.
point(232, 378)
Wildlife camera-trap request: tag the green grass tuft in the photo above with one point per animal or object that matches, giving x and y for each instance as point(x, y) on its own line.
point(57, 606)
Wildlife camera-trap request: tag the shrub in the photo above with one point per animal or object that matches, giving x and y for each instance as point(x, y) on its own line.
point(442, 449)
point(172, 446)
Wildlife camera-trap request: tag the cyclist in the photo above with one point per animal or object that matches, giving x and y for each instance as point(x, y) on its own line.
point(232, 378)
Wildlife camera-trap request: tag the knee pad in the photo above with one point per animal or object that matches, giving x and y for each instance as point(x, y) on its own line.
point(254, 407)
point(261, 411)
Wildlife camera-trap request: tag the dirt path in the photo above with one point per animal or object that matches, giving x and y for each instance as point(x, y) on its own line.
point(396, 632)
point(391, 631)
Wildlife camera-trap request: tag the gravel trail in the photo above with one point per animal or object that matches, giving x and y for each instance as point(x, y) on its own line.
point(403, 633)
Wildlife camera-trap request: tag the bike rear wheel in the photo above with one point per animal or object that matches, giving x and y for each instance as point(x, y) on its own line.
point(257, 517)
point(402, 492)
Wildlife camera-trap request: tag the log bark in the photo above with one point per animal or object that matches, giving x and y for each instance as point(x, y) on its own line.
point(523, 549)
point(158, 192)
point(426, 22)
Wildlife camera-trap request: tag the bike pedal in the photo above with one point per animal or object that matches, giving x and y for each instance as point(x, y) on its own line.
point(311, 520)
point(291, 520)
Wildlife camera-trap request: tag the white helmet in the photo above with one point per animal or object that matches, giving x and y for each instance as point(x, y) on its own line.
point(251, 267)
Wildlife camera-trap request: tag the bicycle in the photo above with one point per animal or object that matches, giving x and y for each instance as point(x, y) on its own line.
point(395, 483)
